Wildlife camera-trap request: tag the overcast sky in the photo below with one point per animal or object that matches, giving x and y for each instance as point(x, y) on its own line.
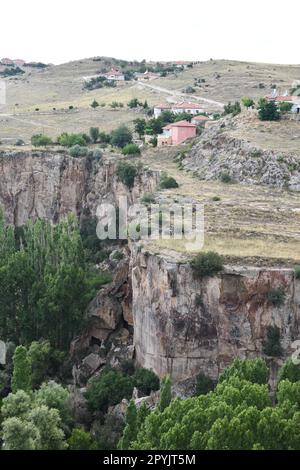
point(62, 30)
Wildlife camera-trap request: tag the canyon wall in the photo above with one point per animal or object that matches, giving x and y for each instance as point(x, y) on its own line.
point(52, 185)
point(183, 325)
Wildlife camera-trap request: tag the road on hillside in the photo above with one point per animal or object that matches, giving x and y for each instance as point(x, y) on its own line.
point(182, 95)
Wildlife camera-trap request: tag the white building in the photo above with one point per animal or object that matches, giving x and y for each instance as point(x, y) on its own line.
point(177, 108)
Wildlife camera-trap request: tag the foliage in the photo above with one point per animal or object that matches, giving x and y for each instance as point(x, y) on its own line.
point(276, 296)
point(207, 264)
point(131, 427)
point(131, 149)
point(268, 110)
point(165, 393)
point(69, 140)
point(121, 136)
point(204, 384)
point(134, 103)
point(254, 371)
point(126, 173)
point(94, 104)
point(12, 71)
point(94, 134)
point(168, 182)
point(43, 360)
point(145, 381)
point(272, 346)
point(16, 405)
point(248, 102)
point(78, 151)
point(233, 109)
point(289, 371)
point(21, 379)
point(40, 140)
point(285, 106)
point(19, 435)
point(44, 282)
point(108, 434)
point(139, 126)
point(81, 440)
point(48, 423)
point(225, 177)
point(297, 272)
point(108, 389)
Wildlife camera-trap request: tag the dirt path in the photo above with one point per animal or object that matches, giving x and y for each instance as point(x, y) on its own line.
point(182, 95)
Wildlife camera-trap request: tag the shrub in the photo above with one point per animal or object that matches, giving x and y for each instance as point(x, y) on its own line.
point(248, 102)
point(252, 370)
point(216, 198)
point(276, 296)
point(297, 272)
point(95, 154)
point(94, 104)
point(19, 143)
point(148, 199)
point(134, 103)
point(126, 173)
point(108, 389)
point(81, 440)
point(233, 109)
point(40, 140)
point(69, 140)
point(146, 381)
point(204, 384)
point(168, 182)
point(131, 149)
point(285, 107)
point(226, 178)
point(78, 151)
point(94, 134)
point(207, 264)
point(272, 346)
point(289, 371)
point(21, 379)
point(121, 137)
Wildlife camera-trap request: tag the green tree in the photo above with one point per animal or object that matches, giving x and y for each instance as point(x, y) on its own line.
point(248, 102)
point(16, 405)
point(289, 371)
point(121, 137)
point(94, 134)
point(19, 435)
point(165, 393)
point(131, 429)
point(94, 104)
point(48, 422)
point(40, 140)
point(126, 173)
point(285, 107)
point(81, 440)
point(131, 149)
point(207, 264)
point(268, 110)
point(21, 379)
point(233, 109)
point(146, 381)
point(139, 126)
point(253, 370)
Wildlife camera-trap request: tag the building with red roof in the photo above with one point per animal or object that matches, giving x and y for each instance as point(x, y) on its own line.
point(176, 133)
point(177, 108)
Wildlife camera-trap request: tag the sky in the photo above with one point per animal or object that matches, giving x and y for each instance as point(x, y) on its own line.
point(58, 31)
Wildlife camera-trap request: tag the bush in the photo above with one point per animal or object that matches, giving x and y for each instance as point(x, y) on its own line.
point(40, 140)
point(94, 134)
point(248, 102)
point(204, 384)
point(226, 178)
point(207, 264)
point(78, 151)
point(272, 346)
point(297, 272)
point(168, 182)
point(95, 154)
point(285, 107)
point(289, 371)
point(276, 297)
point(233, 109)
point(108, 389)
point(81, 440)
point(148, 199)
point(146, 381)
point(126, 173)
point(131, 149)
point(121, 137)
point(70, 140)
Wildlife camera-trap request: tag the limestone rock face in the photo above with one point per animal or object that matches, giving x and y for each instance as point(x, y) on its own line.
point(183, 325)
point(51, 185)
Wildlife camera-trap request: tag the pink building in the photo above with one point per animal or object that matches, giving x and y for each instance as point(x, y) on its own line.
point(176, 133)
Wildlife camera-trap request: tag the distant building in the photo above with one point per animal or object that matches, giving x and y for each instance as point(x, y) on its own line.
point(286, 98)
point(200, 120)
point(146, 76)
point(7, 61)
point(176, 133)
point(114, 74)
point(19, 62)
point(177, 108)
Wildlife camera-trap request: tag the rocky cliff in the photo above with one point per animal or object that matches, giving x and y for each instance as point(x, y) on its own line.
point(217, 152)
point(51, 185)
point(184, 325)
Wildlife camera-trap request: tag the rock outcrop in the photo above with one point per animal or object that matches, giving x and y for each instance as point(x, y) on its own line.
point(217, 153)
point(184, 325)
point(51, 185)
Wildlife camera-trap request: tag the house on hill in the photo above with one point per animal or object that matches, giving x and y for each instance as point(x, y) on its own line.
point(177, 108)
point(146, 76)
point(114, 74)
point(6, 61)
point(286, 98)
point(176, 133)
point(200, 120)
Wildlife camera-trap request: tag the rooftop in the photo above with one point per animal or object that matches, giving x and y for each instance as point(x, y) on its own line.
point(179, 124)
